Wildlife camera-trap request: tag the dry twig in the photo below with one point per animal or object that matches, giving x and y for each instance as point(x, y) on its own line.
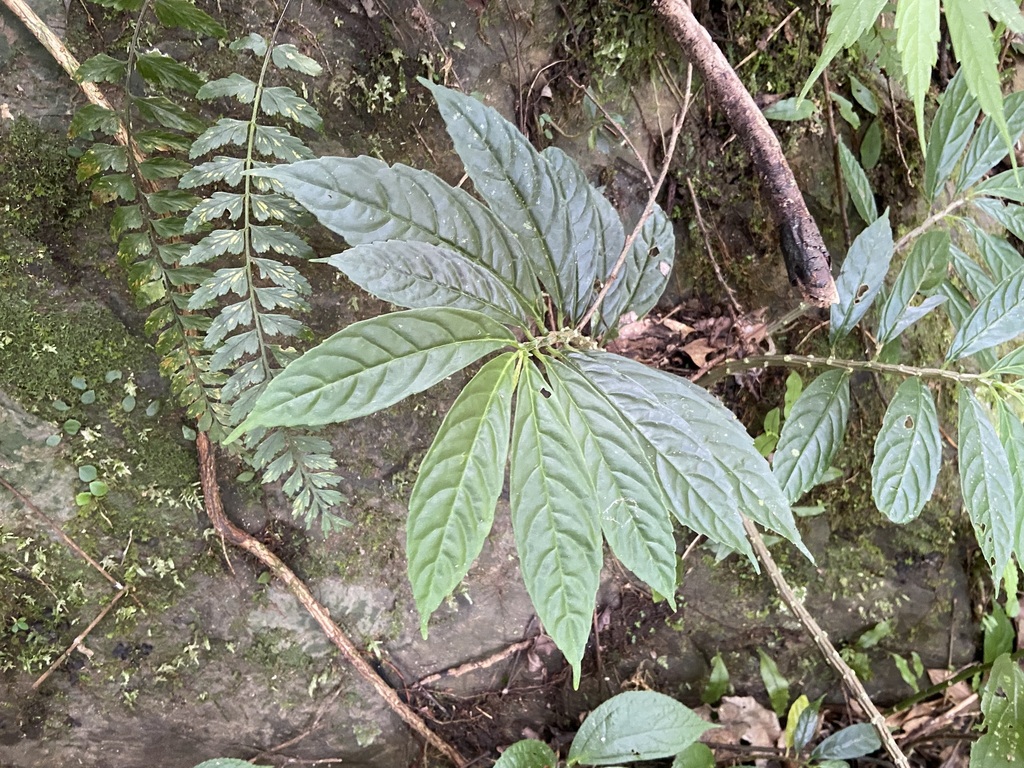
point(473, 666)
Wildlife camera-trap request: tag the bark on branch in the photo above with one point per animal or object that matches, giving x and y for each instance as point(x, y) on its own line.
point(807, 259)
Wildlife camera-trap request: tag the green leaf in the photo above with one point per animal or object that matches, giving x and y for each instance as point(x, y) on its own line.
point(871, 145)
point(87, 473)
point(114, 186)
point(215, 244)
point(53, 441)
point(283, 101)
point(801, 723)
point(851, 742)
point(635, 726)
point(154, 168)
point(695, 756)
point(528, 753)
point(182, 13)
point(165, 72)
point(272, 141)
point(101, 68)
point(917, 38)
point(998, 317)
point(644, 274)
point(1002, 704)
point(974, 278)
point(226, 169)
point(857, 185)
point(71, 426)
point(812, 434)
point(164, 112)
point(1007, 13)
point(998, 631)
point(986, 484)
point(460, 478)
point(789, 110)
point(251, 42)
point(514, 179)
point(365, 201)
point(776, 685)
point(698, 488)
point(1012, 364)
point(83, 499)
point(1001, 258)
point(718, 682)
point(271, 237)
point(849, 20)
point(98, 488)
point(632, 506)
point(88, 397)
point(228, 762)
point(375, 363)
point(170, 201)
point(92, 117)
point(102, 157)
point(908, 453)
point(229, 204)
point(949, 133)
point(923, 270)
point(422, 275)
point(157, 140)
point(554, 517)
point(1011, 434)
point(1008, 185)
point(863, 95)
point(862, 276)
point(846, 110)
point(234, 86)
point(287, 56)
point(989, 148)
point(225, 131)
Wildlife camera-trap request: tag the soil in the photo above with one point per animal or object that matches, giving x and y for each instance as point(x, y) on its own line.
point(207, 658)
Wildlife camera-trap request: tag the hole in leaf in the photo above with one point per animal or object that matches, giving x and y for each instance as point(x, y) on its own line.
point(909, 422)
point(861, 290)
point(545, 392)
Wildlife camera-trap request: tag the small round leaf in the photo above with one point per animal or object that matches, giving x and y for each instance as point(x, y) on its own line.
point(153, 408)
point(83, 498)
point(88, 397)
point(61, 406)
point(53, 440)
point(188, 433)
point(87, 473)
point(112, 376)
point(78, 383)
point(128, 404)
point(98, 488)
point(71, 426)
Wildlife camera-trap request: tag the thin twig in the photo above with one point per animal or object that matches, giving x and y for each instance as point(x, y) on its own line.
point(677, 126)
point(80, 639)
point(711, 254)
point(896, 125)
point(239, 538)
point(619, 130)
point(836, 164)
point(847, 675)
point(928, 223)
point(762, 44)
point(473, 666)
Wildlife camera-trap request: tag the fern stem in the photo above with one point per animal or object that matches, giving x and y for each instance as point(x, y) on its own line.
point(811, 361)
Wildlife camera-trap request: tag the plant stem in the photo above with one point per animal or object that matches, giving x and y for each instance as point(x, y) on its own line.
point(811, 361)
point(949, 682)
point(928, 223)
point(848, 676)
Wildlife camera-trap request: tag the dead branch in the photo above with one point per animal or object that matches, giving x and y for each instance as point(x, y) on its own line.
point(473, 666)
point(807, 259)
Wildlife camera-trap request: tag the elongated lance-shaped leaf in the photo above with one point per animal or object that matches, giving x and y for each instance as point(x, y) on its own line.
point(908, 453)
point(644, 274)
point(578, 270)
point(514, 179)
point(988, 146)
point(950, 131)
point(699, 491)
point(998, 317)
point(732, 449)
point(917, 38)
point(633, 507)
point(419, 275)
point(986, 484)
point(452, 505)
point(924, 269)
point(634, 726)
point(366, 201)
point(996, 252)
point(812, 434)
point(1008, 185)
point(375, 363)
point(971, 35)
point(849, 20)
point(861, 277)
point(1011, 433)
point(857, 185)
point(554, 517)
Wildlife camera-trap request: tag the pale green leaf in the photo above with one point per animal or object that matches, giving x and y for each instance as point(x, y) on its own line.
point(862, 276)
point(863, 96)
point(634, 726)
point(234, 86)
point(273, 141)
point(986, 484)
point(1002, 704)
point(923, 270)
point(230, 204)
point(699, 491)
point(287, 56)
point(846, 110)
point(971, 35)
point(632, 506)
point(365, 201)
point(225, 131)
point(696, 755)
point(460, 478)
point(857, 185)
point(949, 133)
point(283, 101)
point(233, 349)
point(228, 762)
point(1001, 258)
point(514, 180)
point(1007, 13)
point(554, 517)
point(375, 363)
point(917, 38)
point(975, 279)
point(251, 42)
point(812, 434)
point(857, 740)
point(1008, 185)
point(789, 110)
point(411, 274)
point(1012, 363)
point(528, 753)
point(228, 280)
point(998, 317)
point(988, 148)
point(226, 169)
point(718, 681)
point(215, 244)
point(849, 20)
point(1007, 215)
point(1011, 433)
point(271, 237)
point(908, 453)
point(228, 319)
point(774, 682)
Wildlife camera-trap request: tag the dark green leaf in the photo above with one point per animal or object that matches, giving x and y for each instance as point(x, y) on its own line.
point(1002, 704)
point(924, 269)
point(789, 110)
point(812, 434)
point(988, 148)
point(853, 741)
point(283, 101)
point(165, 72)
point(986, 483)
point(998, 317)
point(170, 201)
point(287, 56)
point(718, 682)
point(1008, 185)
point(863, 95)
point(849, 20)
point(92, 117)
point(776, 685)
point(871, 145)
point(101, 68)
point(862, 276)
point(182, 13)
point(114, 186)
point(950, 131)
point(170, 227)
point(528, 753)
point(908, 453)
point(634, 726)
point(857, 185)
point(1001, 258)
point(102, 157)
point(1011, 434)
point(974, 278)
point(164, 112)
point(375, 363)
point(846, 110)
point(460, 478)
point(633, 509)
point(234, 86)
point(422, 275)
point(225, 131)
point(554, 517)
point(157, 140)
point(154, 168)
